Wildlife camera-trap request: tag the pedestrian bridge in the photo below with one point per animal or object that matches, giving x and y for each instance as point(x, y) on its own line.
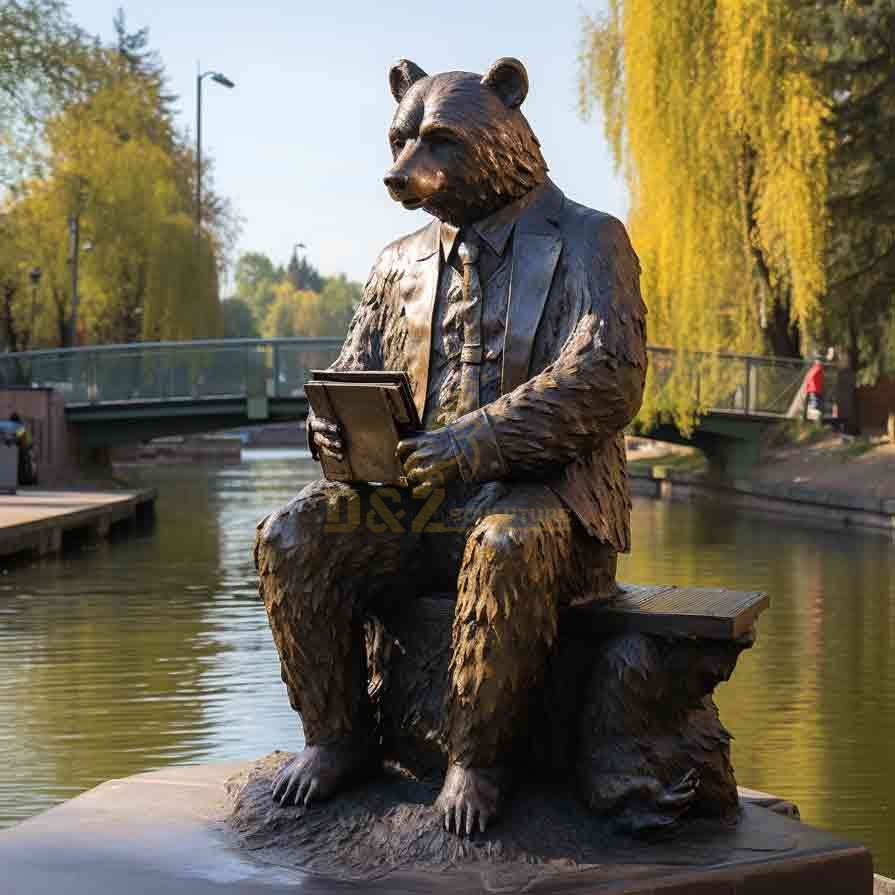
point(118, 394)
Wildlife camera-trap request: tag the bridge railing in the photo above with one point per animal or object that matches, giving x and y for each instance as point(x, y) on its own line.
point(745, 384)
point(160, 372)
point(279, 368)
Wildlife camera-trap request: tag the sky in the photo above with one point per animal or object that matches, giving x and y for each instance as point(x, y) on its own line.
point(300, 144)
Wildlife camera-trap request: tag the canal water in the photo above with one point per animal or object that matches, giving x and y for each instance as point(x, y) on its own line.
point(155, 650)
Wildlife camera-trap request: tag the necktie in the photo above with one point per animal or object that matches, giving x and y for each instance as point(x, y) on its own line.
point(471, 354)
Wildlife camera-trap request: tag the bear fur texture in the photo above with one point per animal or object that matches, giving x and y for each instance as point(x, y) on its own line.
point(462, 147)
point(533, 503)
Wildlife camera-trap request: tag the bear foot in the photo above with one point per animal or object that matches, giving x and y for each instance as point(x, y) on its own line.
point(317, 772)
point(469, 797)
point(640, 806)
point(661, 813)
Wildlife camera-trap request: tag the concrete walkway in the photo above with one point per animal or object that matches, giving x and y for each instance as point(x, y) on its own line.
point(40, 522)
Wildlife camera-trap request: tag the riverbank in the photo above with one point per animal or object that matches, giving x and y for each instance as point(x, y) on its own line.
point(37, 522)
point(820, 477)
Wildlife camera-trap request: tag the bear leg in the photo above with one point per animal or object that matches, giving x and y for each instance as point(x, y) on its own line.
point(318, 565)
point(516, 566)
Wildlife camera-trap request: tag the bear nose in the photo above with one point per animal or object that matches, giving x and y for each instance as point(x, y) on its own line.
point(395, 182)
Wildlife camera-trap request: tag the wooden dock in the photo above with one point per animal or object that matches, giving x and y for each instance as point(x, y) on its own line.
point(39, 522)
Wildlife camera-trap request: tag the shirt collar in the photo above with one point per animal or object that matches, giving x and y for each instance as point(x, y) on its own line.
point(495, 229)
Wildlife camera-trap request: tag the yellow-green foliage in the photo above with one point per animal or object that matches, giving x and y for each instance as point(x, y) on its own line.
point(113, 163)
point(303, 312)
point(289, 310)
point(722, 137)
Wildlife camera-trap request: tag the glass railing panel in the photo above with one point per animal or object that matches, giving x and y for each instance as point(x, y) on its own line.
point(775, 385)
point(294, 361)
point(117, 376)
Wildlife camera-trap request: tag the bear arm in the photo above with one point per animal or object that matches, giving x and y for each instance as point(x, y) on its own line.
point(592, 390)
point(362, 348)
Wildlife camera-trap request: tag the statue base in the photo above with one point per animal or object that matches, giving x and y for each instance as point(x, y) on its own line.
point(210, 829)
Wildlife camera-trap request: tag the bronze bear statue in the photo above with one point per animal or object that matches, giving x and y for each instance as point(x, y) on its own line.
point(517, 315)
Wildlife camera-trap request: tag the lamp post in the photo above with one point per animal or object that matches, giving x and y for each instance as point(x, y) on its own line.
point(295, 248)
point(34, 275)
point(74, 259)
point(74, 246)
point(224, 81)
point(218, 78)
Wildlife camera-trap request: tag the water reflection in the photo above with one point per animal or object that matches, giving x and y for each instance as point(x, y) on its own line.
point(156, 650)
point(808, 706)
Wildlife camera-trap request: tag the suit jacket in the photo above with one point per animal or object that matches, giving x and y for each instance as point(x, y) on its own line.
point(574, 360)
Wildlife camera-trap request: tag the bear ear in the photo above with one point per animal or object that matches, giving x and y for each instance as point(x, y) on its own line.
point(509, 80)
point(402, 76)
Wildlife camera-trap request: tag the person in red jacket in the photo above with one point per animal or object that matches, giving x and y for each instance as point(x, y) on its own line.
point(814, 389)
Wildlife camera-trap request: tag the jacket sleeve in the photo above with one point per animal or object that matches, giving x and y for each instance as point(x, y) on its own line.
point(593, 389)
point(362, 348)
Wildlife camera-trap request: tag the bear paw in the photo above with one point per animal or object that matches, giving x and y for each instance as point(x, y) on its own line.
point(470, 797)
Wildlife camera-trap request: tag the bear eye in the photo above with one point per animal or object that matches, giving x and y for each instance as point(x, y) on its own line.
point(440, 138)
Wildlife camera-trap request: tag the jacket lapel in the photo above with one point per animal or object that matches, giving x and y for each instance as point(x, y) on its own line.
point(537, 246)
point(419, 306)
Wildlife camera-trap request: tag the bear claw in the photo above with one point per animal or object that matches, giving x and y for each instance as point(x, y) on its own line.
point(317, 772)
point(470, 798)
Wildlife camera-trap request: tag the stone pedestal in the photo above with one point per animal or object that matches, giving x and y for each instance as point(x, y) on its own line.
point(174, 832)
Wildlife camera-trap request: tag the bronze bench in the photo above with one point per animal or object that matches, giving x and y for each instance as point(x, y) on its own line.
point(626, 694)
point(669, 611)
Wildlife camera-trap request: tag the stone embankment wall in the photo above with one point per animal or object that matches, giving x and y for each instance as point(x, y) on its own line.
point(795, 501)
point(43, 411)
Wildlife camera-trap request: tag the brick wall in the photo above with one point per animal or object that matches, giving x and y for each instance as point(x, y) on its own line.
point(43, 411)
point(875, 403)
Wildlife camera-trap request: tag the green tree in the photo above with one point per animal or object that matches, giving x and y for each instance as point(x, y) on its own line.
point(303, 275)
point(237, 320)
point(338, 299)
point(42, 63)
point(36, 239)
point(256, 278)
point(854, 59)
point(289, 312)
point(114, 165)
point(758, 142)
point(134, 50)
point(281, 309)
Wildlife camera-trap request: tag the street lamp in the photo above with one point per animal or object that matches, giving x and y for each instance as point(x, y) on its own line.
point(295, 248)
point(75, 248)
point(218, 78)
point(34, 275)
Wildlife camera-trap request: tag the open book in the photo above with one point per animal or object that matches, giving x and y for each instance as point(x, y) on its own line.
point(374, 410)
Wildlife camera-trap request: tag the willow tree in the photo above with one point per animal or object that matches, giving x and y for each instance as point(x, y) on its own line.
point(113, 166)
point(722, 134)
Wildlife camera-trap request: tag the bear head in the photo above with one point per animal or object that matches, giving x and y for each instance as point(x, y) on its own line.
point(462, 149)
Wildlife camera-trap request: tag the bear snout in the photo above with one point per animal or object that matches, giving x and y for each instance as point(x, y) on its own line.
point(395, 182)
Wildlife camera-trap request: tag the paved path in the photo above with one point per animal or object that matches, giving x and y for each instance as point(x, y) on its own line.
point(37, 521)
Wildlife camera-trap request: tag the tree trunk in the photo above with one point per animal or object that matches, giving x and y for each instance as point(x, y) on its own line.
point(9, 326)
point(853, 355)
point(781, 334)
